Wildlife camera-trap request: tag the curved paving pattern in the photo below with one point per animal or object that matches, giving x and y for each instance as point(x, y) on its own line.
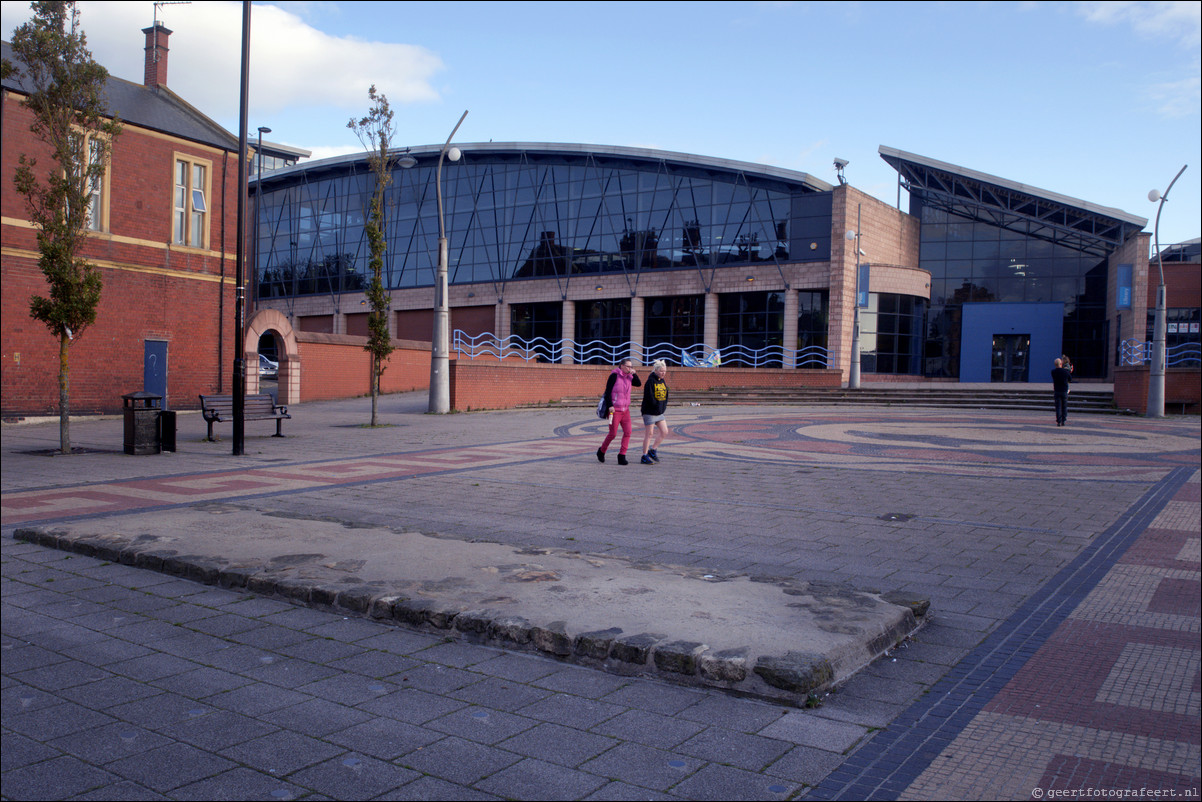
point(1063, 657)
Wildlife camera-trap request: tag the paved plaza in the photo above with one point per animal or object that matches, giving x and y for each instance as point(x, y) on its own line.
point(1060, 655)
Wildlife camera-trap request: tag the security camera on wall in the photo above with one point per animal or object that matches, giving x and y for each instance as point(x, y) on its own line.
point(841, 163)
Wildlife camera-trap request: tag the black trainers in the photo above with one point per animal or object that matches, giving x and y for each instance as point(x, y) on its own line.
point(622, 459)
point(600, 455)
point(646, 460)
point(653, 455)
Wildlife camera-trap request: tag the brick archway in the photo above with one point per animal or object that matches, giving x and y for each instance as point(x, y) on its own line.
point(262, 322)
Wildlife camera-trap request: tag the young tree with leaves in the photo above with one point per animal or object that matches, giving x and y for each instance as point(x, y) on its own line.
point(376, 131)
point(71, 117)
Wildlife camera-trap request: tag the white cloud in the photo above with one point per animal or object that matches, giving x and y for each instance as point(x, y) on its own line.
point(1177, 98)
point(292, 63)
point(1169, 23)
point(1177, 20)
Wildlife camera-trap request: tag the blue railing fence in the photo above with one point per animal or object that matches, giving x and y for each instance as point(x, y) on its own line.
point(1139, 352)
point(540, 349)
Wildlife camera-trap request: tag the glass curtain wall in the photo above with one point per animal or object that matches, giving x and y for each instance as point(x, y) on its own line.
point(813, 325)
point(749, 322)
point(517, 215)
point(539, 325)
point(672, 324)
point(602, 327)
point(975, 262)
point(891, 334)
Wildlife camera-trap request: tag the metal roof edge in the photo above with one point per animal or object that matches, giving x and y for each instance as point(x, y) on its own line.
point(649, 154)
point(887, 153)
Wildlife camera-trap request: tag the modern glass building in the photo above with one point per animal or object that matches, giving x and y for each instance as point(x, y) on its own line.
point(571, 245)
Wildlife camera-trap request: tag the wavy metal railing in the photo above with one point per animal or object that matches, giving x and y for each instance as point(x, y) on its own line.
point(1139, 352)
point(599, 352)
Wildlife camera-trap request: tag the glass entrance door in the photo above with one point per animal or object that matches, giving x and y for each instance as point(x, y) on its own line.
point(1010, 357)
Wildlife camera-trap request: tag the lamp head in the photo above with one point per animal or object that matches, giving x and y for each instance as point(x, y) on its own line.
point(850, 235)
point(1154, 195)
point(453, 154)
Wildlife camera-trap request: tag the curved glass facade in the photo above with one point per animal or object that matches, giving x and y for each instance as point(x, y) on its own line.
point(523, 214)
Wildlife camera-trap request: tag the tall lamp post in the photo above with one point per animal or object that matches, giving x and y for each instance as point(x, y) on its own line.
point(254, 228)
point(440, 346)
point(1156, 375)
point(239, 401)
point(853, 376)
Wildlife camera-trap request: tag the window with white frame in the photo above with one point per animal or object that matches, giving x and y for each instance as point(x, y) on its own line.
point(97, 210)
point(191, 210)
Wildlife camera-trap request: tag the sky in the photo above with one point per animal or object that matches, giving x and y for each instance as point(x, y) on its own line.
point(1098, 101)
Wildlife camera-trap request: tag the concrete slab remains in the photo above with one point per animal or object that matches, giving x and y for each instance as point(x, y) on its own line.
point(780, 639)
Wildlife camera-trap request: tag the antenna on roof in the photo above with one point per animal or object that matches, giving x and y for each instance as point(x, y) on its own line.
point(157, 5)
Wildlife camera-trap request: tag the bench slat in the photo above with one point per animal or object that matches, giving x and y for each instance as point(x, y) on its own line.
point(220, 408)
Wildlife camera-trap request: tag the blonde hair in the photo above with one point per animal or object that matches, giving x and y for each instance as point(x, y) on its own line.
point(659, 363)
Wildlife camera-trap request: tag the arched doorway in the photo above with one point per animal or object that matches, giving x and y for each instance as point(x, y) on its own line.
point(271, 325)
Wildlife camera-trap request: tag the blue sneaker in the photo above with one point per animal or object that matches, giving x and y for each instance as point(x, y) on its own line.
point(653, 455)
point(646, 460)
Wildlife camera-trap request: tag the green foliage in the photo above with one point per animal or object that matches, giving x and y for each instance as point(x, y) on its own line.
point(71, 117)
point(376, 131)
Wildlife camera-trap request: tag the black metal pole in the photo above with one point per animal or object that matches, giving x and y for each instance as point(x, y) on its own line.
point(240, 289)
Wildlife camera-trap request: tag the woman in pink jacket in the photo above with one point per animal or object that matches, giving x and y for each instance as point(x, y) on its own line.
point(617, 389)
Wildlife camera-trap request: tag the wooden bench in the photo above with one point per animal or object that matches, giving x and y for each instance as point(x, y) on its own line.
point(220, 408)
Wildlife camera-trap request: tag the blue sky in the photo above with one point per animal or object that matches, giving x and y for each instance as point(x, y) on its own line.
point(1097, 101)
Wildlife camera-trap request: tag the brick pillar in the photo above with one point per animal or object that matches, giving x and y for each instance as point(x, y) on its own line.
point(790, 333)
point(567, 333)
point(711, 319)
point(503, 322)
point(637, 329)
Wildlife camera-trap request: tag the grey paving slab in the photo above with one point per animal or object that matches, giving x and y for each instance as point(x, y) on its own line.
point(456, 719)
point(537, 779)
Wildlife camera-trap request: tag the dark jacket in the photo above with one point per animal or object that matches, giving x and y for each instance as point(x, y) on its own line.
point(1061, 379)
point(655, 396)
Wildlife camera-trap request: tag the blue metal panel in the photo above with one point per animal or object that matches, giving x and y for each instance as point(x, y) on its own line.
point(154, 368)
point(1044, 322)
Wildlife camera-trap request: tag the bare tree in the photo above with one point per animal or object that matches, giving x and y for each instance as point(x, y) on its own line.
point(71, 117)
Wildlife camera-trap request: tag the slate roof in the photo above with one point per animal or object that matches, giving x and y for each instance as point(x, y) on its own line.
point(157, 109)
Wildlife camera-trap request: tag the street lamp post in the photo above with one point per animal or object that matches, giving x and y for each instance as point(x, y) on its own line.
point(853, 375)
point(254, 229)
point(440, 346)
point(1156, 374)
point(239, 388)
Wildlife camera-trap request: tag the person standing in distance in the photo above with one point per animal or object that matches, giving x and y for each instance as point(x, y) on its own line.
point(1062, 377)
point(618, 388)
point(655, 404)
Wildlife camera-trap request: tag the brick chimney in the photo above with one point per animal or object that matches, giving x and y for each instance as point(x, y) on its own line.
point(156, 55)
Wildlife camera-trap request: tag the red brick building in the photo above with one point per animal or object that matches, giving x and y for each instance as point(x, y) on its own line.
point(164, 238)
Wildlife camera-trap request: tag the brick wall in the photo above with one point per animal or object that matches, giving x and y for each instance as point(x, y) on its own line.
point(488, 384)
point(337, 366)
point(152, 289)
point(1182, 386)
point(106, 360)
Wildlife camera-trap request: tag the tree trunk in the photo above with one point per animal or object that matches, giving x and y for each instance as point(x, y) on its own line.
point(375, 387)
point(64, 396)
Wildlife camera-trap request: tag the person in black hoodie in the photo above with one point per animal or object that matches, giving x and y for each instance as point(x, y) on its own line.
point(655, 404)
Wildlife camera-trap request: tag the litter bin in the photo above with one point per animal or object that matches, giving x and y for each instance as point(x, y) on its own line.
point(142, 423)
point(167, 430)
